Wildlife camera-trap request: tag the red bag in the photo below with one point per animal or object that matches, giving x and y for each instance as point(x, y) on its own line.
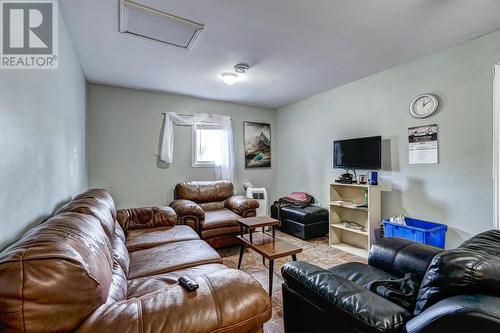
point(297, 199)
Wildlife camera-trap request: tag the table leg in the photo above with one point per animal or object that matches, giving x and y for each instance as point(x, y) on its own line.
point(274, 232)
point(241, 230)
point(242, 249)
point(263, 261)
point(250, 231)
point(294, 257)
point(271, 269)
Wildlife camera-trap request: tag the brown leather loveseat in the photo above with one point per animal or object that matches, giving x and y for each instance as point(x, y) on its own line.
point(211, 208)
point(93, 269)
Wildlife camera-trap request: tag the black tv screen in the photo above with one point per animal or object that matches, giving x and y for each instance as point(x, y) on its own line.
point(362, 153)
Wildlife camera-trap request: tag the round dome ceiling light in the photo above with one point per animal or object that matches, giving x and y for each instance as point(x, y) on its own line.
point(241, 68)
point(229, 78)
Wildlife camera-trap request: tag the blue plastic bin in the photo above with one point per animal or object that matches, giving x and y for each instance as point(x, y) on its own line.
point(424, 232)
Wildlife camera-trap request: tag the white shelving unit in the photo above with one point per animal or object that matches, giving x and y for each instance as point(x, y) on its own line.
point(345, 201)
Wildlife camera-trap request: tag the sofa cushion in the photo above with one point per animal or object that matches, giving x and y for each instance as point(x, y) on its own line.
point(169, 257)
point(55, 276)
point(118, 288)
point(187, 209)
point(142, 286)
point(212, 205)
point(146, 217)
point(201, 192)
point(488, 242)
point(360, 273)
point(459, 272)
point(226, 301)
point(139, 239)
point(119, 232)
point(399, 256)
point(97, 203)
point(120, 252)
point(219, 218)
point(474, 267)
point(347, 301)
point(241, 205)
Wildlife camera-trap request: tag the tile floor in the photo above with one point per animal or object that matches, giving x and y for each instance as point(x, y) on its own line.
point(315, 251)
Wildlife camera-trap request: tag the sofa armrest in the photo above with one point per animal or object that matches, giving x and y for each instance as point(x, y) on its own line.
point(241, 204)
point(217, 305)
point(464, 313)
point(342, 300)
point(399, 256)
point(147, 217)
point(184, 208)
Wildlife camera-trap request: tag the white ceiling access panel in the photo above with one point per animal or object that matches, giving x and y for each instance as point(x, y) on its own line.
point(146, 22)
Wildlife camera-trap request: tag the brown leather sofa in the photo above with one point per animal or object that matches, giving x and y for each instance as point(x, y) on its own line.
point(92, 269)
point(211, 209)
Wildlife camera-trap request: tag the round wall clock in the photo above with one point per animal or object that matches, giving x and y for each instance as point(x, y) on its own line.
point(424, 105)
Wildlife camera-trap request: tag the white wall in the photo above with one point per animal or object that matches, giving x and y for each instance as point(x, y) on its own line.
point(42, 139)
point(123, 134)
point(459, 190)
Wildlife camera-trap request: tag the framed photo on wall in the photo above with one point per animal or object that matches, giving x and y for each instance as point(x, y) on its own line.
point(257, 138)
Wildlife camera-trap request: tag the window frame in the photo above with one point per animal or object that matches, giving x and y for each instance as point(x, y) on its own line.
point(194, 149)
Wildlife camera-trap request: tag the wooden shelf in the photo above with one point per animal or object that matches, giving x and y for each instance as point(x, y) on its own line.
point(269, 247)
point(344, 199)
point(356, 185)
point(343, 227)
point(363, 253)
point(349, 205)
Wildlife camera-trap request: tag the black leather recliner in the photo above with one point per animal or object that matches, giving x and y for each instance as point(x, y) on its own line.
point(459, 290)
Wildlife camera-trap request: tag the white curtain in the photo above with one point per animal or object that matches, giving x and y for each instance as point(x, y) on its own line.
point(166, 149)
point(224, 166)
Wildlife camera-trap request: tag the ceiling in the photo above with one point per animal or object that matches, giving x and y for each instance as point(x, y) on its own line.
point(296, 48)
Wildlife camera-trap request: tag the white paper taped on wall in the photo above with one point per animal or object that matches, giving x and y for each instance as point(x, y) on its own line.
point(423, 144)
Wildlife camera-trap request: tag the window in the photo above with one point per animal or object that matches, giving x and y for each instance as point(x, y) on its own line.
point(207, 144)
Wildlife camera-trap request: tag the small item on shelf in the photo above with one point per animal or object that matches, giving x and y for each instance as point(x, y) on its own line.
point(346, 178)
point(343, 202)
point(353, 225)
point(398, 219)
point(373, 178)
point(362, 179)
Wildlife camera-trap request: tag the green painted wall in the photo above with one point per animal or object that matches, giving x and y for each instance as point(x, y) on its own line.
point(42, 140)
point(123, 133)
point(459, 190)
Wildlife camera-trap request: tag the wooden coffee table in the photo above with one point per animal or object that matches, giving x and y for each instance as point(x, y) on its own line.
point(267, 245)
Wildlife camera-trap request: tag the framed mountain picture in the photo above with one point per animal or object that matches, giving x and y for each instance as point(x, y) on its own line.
point(257, 144)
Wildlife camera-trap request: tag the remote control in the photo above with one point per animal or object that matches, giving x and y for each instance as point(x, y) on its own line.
point(187, 283)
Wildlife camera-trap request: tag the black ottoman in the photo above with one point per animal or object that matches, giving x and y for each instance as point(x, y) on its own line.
point(305, 223)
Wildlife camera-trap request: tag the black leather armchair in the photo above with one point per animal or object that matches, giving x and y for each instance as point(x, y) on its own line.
point(459, 290)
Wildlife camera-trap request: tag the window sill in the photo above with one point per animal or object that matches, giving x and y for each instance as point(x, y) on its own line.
point(203, 165)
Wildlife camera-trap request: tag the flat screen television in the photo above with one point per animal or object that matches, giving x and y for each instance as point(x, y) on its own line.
point(361, 153)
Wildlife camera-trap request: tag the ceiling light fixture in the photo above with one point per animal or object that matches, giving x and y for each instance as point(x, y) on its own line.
point(241, 68)
point(229, 78)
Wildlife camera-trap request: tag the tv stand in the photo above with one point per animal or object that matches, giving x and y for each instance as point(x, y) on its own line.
point(348, 203)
